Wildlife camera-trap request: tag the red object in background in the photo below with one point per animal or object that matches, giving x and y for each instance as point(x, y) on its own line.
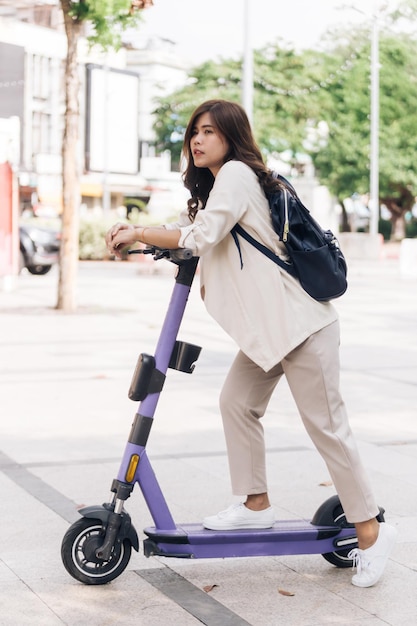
point(8, 226)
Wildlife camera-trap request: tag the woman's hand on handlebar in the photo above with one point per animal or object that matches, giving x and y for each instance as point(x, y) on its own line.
point(119, 236)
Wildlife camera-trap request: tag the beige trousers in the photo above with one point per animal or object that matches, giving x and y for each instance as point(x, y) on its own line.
point(312, 372)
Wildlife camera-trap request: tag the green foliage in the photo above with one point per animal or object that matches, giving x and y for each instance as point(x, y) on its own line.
point(411, 229)
point(132, 203)
point(297, 95)
point(279, 120)
point(282, 100)
point(207, 81)
point(385, 229)
point(109, 18)
point(92, 235)
point(93, 229)
point(343, 163)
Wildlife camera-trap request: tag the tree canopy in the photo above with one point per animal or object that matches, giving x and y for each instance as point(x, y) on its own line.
point(108, 18)
point(318, 103)
point(343, 163)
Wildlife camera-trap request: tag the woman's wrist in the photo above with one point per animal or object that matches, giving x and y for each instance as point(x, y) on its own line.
point(140, 230)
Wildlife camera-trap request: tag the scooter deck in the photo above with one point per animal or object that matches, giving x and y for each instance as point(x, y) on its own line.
point(285, 537)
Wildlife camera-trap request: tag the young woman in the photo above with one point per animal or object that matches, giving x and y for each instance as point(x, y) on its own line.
point(277, 326)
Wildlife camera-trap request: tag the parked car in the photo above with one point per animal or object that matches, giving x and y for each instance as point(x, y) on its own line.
point(39, 248)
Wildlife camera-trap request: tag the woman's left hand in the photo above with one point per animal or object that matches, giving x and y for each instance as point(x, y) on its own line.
point(119, 236)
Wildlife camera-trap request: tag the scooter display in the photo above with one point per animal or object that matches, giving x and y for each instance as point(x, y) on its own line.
point(96, 548)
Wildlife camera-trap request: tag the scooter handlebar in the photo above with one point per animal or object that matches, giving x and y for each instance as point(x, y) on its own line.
point(178, 255)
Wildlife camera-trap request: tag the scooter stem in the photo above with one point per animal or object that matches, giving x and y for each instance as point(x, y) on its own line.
point(157, 366)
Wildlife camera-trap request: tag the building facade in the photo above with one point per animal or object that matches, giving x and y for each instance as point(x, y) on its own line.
point(117, 99)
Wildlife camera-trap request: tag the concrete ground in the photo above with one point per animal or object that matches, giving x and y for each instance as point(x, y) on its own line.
point(65, 417)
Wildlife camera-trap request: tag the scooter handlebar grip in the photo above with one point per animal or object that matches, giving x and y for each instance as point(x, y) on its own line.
point(181, 254)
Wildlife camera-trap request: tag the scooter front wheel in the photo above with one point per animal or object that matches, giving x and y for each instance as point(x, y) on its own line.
point(78, 553)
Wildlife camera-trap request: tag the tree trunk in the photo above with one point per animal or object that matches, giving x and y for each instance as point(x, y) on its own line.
point(67, 286)
point(398, 206)
point(398, 227)
point(345, 226)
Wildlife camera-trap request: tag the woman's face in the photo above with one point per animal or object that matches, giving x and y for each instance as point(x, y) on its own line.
point(208, 146)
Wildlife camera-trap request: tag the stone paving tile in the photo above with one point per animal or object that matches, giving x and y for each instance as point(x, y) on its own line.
point(65, 416)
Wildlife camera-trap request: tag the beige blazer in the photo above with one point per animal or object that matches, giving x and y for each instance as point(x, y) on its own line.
point(262, 307)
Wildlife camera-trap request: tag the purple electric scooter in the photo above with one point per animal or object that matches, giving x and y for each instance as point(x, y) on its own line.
point(97, 548)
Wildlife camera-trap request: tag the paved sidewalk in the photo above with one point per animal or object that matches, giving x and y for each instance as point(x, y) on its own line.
point(65, 417)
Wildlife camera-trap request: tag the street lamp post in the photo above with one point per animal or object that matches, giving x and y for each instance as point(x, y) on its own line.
point(374, 158)
point(374, 142)
point(247, 81)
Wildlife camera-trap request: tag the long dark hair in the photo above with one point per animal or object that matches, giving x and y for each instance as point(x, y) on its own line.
point(232, 122)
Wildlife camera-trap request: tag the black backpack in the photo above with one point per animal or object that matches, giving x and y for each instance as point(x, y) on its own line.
point(316, 259)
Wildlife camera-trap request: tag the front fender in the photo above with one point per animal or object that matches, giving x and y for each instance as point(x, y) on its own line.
point(102, 513)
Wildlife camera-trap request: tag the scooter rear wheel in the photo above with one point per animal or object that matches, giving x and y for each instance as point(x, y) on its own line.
point(340, 558)
point(78, 553)
point(331, 513)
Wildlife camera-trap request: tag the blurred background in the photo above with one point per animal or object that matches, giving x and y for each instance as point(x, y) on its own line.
point(93, 107)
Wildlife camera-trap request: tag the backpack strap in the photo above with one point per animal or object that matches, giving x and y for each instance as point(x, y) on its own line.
point(286, 183)
point(238, 230)
point(233, 232)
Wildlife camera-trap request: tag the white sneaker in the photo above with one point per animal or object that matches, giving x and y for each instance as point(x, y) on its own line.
point(370, 563)
point(239, 516)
